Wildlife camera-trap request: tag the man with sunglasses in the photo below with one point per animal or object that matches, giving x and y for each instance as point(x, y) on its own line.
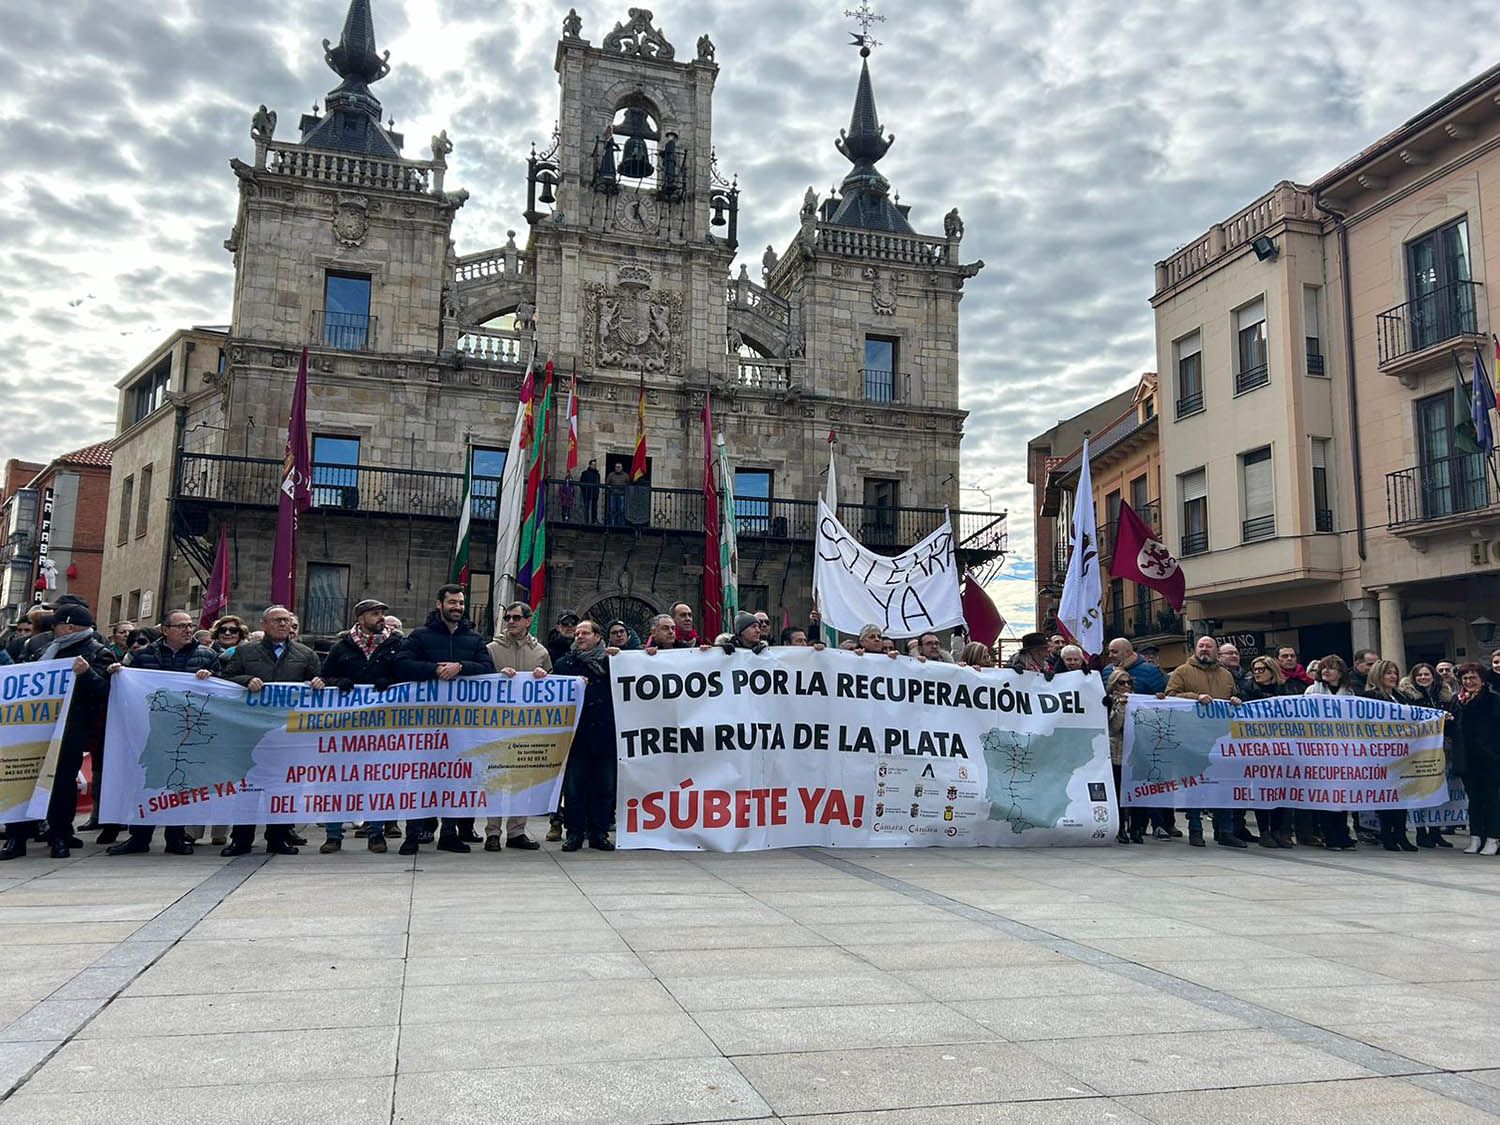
point(515, 651)
point(176, 651)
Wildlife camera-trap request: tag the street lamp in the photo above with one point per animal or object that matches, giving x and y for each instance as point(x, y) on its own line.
point(1485, 630)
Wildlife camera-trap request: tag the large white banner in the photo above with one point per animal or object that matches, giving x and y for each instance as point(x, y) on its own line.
point(1338, 752)
point(904, 594)
point(180, 750)
point(798, 748)
point(34, 701)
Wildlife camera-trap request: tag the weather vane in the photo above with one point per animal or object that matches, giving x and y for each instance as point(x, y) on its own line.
point(864, 16)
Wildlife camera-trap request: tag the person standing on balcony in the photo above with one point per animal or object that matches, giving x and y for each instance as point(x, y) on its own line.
point(567, 493)
point(515, 651)
point(615, 485)
point(276, 658)
point(445, 648)
point(366, 654)
point(589, 491)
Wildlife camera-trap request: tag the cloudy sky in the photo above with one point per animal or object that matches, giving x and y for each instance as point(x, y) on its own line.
point(1082, 141)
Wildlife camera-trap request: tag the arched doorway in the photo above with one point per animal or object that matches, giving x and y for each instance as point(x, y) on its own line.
point(633, 611)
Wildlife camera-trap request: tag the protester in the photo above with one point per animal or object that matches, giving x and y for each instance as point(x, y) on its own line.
point(1495, 668)
point(1070, 658)
point(445, 648)
point(1291, 671)
point(72, 637)
point(1359, 670)
point(663, 634)
point(1203, 678)
point(560, 639)
point(871, 642)
point(178, 650)
point(1265, 681)
point(1333, 679)
point(1146, 678)
point(1447, 676)
point(363, 655)
point(930, 647)
point(1382, 679)
point(746, 635)
point(977, 654)
point(765, 625)
point(794, 636)
point(682, 614)
point(1133, 821)
point(1423, 688)
point(623, 637)
point(228, 632)
point(138, 639)
point(1229, 656)
point(276, 658)
point(590, 775)
point(119, 634)
point(515, 651)
point(1034, 655)
point(1476, 756)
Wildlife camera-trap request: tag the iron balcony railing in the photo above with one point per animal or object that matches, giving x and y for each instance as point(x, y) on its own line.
point(350, 332)
point(1194, 543)
point(1261, 527)
point(1148, 617)
point(255, 481)
point(1251, 377)
point(1109, 535)
point(1442, 314)
point(1433, 490)
point(1189, 404)
point(1323, 520)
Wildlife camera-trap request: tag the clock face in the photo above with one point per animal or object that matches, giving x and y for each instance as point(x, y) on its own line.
point(637, 214)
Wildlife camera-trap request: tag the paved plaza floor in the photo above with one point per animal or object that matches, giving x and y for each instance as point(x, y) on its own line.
point(1109, 984)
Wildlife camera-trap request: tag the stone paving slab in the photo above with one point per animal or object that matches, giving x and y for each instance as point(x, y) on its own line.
point(836, 988)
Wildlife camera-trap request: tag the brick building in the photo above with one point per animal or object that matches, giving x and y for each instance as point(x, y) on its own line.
point(54, 518)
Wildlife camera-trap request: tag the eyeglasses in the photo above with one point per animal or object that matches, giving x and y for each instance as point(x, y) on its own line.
point(180, 625)
point(229, 631)
point(515, 617)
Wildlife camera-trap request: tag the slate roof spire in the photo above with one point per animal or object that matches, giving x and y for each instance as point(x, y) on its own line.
point(352, 121)
point(865, 193)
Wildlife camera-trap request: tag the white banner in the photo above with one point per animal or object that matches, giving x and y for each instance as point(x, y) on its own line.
point(798, 748)
point(1338, 752)
point(179, 750)
point(34, 701)
point(904, 594)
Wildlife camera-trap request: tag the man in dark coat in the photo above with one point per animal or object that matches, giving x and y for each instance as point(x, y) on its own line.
point(276, 659)
point(589, 779)
point(588, 489)
point(176, 651)
point(72, 637)
point(446, 647)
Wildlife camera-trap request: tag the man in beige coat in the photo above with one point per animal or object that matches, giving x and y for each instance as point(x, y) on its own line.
point(1203, 679)
point(514, 651)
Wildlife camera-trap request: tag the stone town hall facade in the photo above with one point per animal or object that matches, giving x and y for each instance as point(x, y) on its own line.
point(343, 244)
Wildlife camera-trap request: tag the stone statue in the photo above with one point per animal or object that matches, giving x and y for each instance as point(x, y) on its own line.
point(263, 125)
point(441, 147)
point(705, 49)
point(668, 160)
point(953, 226)
point(768, 262)
point(735, 341)
point(525, 316)
point(809, 204)
point(572, 24)
point(636, 36)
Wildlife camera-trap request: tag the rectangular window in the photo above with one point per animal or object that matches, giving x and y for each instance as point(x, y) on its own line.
point(1139, 497)
point(1258, 495)
point(335, 472)
point(1193, 488)
point(149, 392)
point(1115, 624)
point(1311, 322)
point(1322, 498)
point(346, 310)
point(882, 498)
point(1450, 480)
point(881, 354)
point(133, 607)
point(754, 598)
point(326, 610)
point(143, 502)
point(116, 608)
point(481, 595)
point(127, 509)
point(1250, 367)
point(1440, 286)
point(487, 467)
point(1112, 501)
point(1188, 359)
point(752, 501)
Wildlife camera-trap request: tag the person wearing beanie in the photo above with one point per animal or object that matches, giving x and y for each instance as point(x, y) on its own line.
point(746, 634)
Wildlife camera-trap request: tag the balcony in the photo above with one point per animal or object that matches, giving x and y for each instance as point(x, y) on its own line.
point(764, 374)
point(1323, 520)
point(1150, 515)
point(1315, 364)
point(1194, 543)
point(488, 345)
point(1137, 621)
point(350, 332)
point(1261, 527)
point(879, 385)
point(1251, 377)
point(1407, 334)
point(1189, 404)
point(253, 482)
point(1449, 489)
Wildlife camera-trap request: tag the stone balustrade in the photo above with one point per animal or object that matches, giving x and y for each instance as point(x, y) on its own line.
point(493, 346)
point(1285, 201)
point(904, 249)
point(344, 169)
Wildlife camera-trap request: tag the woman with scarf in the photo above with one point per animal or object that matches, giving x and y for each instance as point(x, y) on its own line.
point(1267, 681)
point(1476, 756)
point(1382, 683)
point(1333, 824)
point(589, 779)
point(1425, 688)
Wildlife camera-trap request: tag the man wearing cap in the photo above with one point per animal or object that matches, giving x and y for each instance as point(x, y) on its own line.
point(364, 655)
point(72, 637)
point(275, 658)
point(560, 640)
point(514, 650)
point(746, 635)
point(1035, 649)
point(175, 651)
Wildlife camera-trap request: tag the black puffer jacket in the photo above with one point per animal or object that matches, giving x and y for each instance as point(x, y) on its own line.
point(1476, 732)
point(432, 644)
point(346, 665)
point(158, 657)
point(596, 720)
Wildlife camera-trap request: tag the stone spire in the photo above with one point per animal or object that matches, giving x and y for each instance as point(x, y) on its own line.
point(865, 193)
point(352, 122)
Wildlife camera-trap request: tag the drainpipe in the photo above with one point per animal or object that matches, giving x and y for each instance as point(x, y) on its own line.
point(1359, 492)
point(174, 485)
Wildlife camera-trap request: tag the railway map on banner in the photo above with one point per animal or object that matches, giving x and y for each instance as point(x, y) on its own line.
point(799, 748)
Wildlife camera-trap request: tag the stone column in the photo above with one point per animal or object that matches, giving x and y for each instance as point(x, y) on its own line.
point(1392, 644)
point(1364, 625)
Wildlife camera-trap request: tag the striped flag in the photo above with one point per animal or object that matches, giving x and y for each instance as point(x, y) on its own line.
point(573, 422)
point(509, 510)
point(638, 463)
point(729, 547)
point(536, 485)
point(712, 595)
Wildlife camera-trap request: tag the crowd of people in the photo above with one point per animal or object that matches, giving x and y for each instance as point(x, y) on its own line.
point(377, 651)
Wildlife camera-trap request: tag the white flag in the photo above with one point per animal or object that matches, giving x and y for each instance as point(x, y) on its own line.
point(512, 499)
point(1081, 611)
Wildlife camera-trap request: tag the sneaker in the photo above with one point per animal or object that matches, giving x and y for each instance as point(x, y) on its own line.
point(1162, 834)
point(554, 833)
point(492, 844)
point(330, 846)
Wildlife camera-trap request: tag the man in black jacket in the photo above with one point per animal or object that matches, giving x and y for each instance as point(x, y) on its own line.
point(72, 637)
point(366, 654)
point(275, 658)
point(176, 651)
point(446, 647)
point(590, 776)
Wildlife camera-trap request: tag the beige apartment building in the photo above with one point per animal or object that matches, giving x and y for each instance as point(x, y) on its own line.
point(1310, 482)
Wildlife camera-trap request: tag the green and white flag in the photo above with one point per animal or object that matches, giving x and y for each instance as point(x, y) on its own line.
point(729, 548)
point(458, 569)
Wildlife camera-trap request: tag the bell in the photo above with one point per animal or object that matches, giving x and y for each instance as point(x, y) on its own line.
point(547, 195)
point(635, 163)
point(718, 219)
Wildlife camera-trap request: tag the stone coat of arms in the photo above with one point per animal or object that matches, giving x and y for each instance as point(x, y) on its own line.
point(632, 326)
point(351, 220)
